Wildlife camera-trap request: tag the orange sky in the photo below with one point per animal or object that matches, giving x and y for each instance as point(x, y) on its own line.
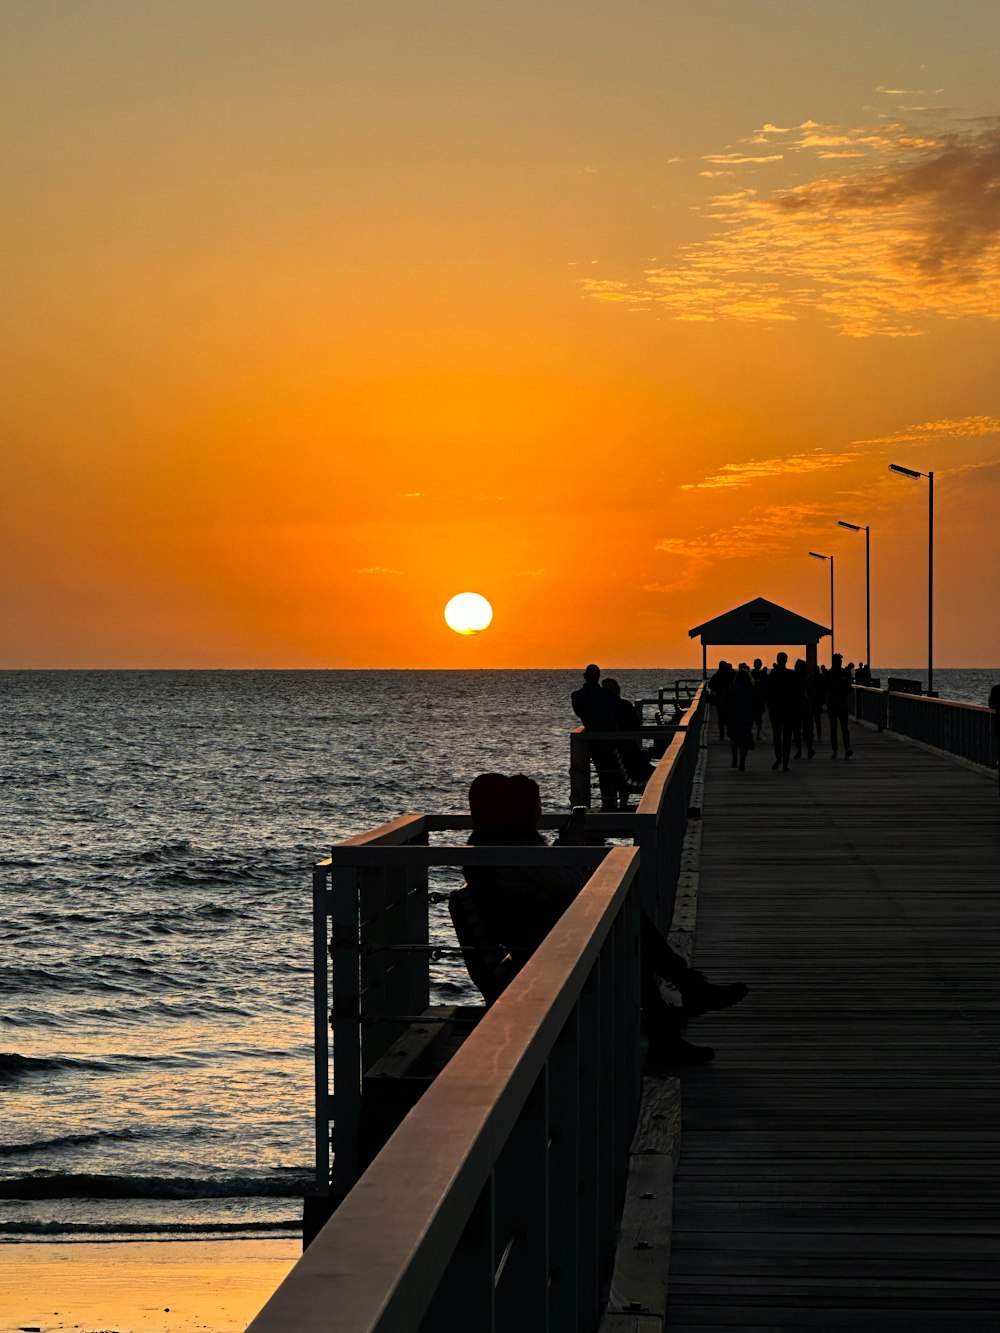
point(316, 315)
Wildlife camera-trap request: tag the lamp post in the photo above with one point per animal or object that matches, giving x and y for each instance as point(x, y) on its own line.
point(816, 556)
point(858, 527)
point(912, 472)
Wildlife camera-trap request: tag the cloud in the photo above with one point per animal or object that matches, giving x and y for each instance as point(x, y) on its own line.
point(765, 531)
point(950, 428)
point(733, 475)
point(906, 232)
point(739, 159)
point(378, 569)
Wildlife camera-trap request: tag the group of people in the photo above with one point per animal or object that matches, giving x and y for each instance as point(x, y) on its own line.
point(510, 909)
point(794, 700)
point(623, 766)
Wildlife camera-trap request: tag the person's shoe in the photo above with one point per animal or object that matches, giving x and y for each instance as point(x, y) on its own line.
point(776, 765)
point(848, 753)
point(675, 1050)
point(834, 755)
point(699, 995)
point(798, 754)
point(784, 768)
point(743, 767)
point(733, 764)
point(812, 754)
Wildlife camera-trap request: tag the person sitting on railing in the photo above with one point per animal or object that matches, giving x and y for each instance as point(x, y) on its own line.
point(634, 759)
point(520, 904)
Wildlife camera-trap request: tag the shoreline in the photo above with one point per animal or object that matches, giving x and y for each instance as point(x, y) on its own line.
point(182, 1285)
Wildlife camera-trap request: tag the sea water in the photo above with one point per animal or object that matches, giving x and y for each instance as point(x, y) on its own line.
point(158, 831)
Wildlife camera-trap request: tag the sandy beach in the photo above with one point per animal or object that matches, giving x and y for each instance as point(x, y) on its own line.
point(140, 1286)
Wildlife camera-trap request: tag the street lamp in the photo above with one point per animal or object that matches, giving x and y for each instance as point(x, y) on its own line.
point(816, 556)
point(912, 472)
point(858, 527)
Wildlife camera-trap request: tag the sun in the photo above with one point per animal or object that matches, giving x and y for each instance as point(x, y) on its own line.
point(468, 613)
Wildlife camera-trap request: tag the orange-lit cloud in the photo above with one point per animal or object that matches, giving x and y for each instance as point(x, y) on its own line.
point(911, 236)
point(733, 475)
point(956, 428)
point(766, 530)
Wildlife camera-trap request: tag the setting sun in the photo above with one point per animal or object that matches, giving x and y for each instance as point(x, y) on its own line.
point(468, 613)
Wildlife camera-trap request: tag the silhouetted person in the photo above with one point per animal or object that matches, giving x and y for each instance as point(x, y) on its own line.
point(838, 695)
point(740, 714)
point(759, 675)
point(802, 728)
point(818, 701)
point(994, 703)
point(521, 904)
point(719, 685)
point(596, 710)
point(782, 708)
point(634, 758)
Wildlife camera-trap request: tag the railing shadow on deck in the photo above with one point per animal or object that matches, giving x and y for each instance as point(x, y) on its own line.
point(494, 1203)
point(964, 730)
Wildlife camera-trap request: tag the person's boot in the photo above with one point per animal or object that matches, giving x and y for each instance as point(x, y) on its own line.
point(699, 995)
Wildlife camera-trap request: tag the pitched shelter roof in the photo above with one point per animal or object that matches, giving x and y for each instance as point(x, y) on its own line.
point(759, 621)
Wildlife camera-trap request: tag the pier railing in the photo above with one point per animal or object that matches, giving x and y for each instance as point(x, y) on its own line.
point(961, 729)
point(494, 1204)
point(495, 1201)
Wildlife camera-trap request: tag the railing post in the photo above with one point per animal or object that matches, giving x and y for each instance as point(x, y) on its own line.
point(521, 1227)
point(321, 1023)
point(564, 1178)
point(345, 952)
point(579, 768)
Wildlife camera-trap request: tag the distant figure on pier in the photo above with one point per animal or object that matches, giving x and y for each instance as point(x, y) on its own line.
point(719, 685)
point(759, 674)
point(520, 904)
point(994, 703)
point(838, 694)
point(818, 701)
point(635, 759)
point(740, 717)
point(595, 707)
point(782, 708)
point(802, 727)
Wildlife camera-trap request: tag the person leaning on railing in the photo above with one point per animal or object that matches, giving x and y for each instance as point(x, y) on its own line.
point(519, 905)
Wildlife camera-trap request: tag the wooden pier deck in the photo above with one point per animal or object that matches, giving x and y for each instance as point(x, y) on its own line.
point(840, 1161)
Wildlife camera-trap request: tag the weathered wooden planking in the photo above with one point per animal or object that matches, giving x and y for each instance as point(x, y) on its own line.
point(841, 1159)
point(642, 1254)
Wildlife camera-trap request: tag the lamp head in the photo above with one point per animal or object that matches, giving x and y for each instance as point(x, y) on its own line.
point(816, 556)
point(855, 527)
point(904, 471)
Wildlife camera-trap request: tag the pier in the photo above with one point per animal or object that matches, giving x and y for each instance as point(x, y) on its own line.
point(836, 1167)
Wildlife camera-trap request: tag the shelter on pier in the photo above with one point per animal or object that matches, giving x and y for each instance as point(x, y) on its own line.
point(759, 622)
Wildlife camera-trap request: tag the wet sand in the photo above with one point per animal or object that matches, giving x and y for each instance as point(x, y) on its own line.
point(140, 1286)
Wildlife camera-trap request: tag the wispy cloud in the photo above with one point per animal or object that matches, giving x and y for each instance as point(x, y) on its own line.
point(733, 475)
point(765, 531)
point(953, 428)
point(377, 569)
point(905, 230)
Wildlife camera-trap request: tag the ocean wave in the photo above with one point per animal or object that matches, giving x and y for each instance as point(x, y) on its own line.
point(31, 1230)
point(14, 1066)
point(287, 1183)
point(71, 1141)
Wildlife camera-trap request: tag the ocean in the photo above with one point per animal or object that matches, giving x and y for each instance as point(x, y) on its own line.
point(158, 831)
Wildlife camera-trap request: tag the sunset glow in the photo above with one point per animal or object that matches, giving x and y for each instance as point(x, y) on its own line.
point(316, 313)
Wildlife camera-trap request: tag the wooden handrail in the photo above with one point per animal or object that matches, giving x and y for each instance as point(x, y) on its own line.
point(376, 1264)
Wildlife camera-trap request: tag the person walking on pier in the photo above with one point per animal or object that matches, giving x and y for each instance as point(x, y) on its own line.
point(802, 728)
point(719, 685)
point(759, 675)
point(782, 708)
point(740, 716)
point(838, 694)
point(519, 905)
